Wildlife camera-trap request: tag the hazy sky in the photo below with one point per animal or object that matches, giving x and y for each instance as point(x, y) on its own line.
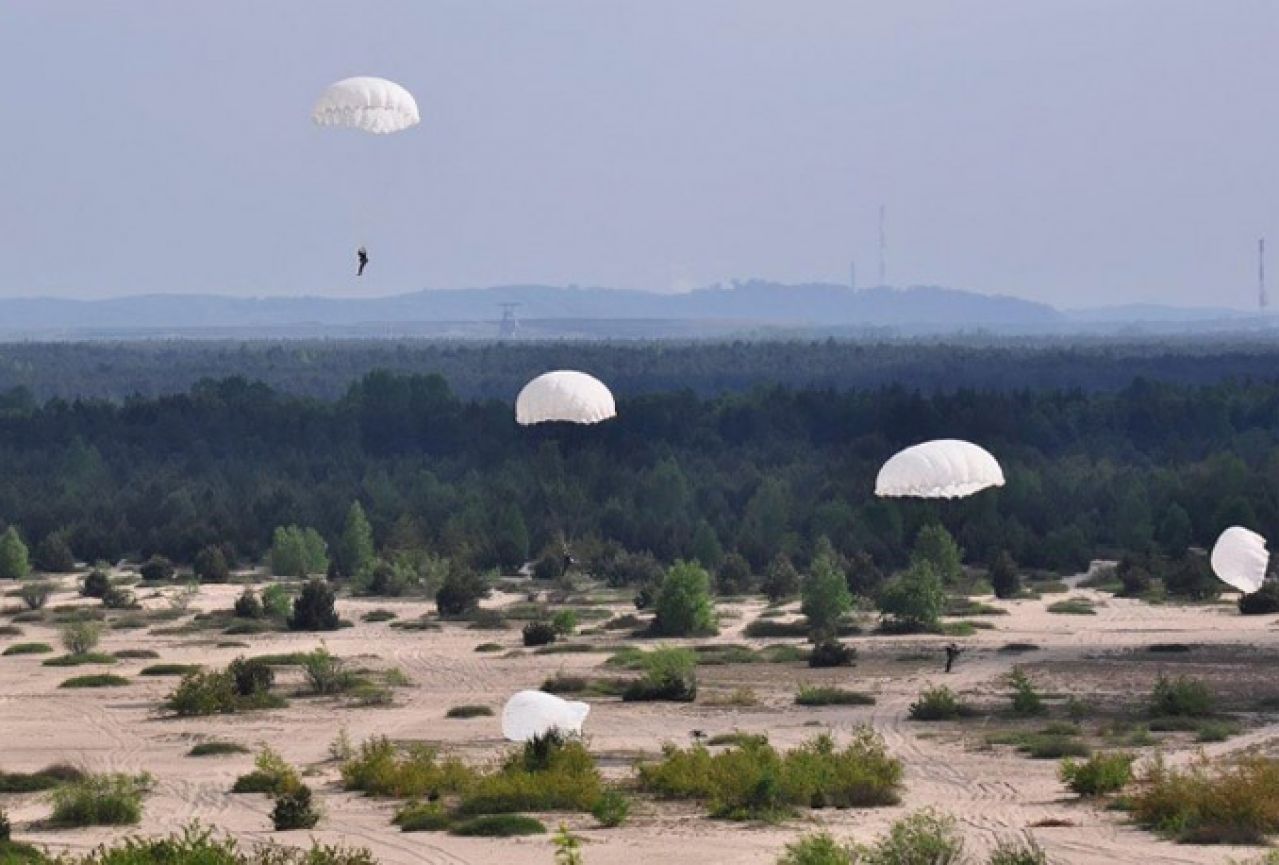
point(1073, 151)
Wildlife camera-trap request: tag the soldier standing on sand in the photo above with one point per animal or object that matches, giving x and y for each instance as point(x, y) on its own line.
point(952, 653)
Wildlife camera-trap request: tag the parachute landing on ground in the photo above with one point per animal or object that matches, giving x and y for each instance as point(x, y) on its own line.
point(940, 469)
point(564, 395)
point(529, 714)
point(1239, 559)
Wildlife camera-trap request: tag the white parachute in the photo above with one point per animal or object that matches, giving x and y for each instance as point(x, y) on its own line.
point(1239, 558)
point(368, 104)
point(940, 469)
point(564, 395)
point(535, 713)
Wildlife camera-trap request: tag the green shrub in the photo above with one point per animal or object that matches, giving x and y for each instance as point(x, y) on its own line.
point(216, 749)
point(211, 566)
point(326, 673)
point(379, 768)
point(80, 638)
point(539, 634)
point(548, 774)
point(825, 597)
point(1025, 699)
point(913, 600)
point(461, 591)
point(682, 607)
point(276, 602)
point(611, 809)
point(1180, 697)
point(1099, 775)
point(489, 647)
point(294, 809)
point(831, 653)
point(157, 569)
point(379, 616)
point(98, 680)
point(499, 826)
point(1004, 578)
point(1024, 851)
point(815, 695)
point(169, 669)
point(1226, 803)
point(315, 608)
point(469, 711)
point(564, 622)
point(95, 584)
point(100, 800)
point(248, 605)
point(35, 594)
point(35, 782)
point(938, 704)
point(79, 660)
point(1073, 607)
point(422, 817)
point(242, 686)
point(669, 674)
point(755, 781)
point(1262, 602)
point(195, 845)
point(27, 649)
point(923, 838)
point(271, 774)
point(817, 849)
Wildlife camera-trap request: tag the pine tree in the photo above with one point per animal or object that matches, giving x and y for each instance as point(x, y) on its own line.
point(14, 564)
point(356, 552)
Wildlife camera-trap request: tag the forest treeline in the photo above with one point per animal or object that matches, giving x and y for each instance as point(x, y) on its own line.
point(1153, 466)
point(497, 370)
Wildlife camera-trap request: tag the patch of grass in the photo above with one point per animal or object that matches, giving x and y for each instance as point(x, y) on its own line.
point(772, 629)
point(379, 616)
point(35, 782)
point(169, 669)
point(1073, 607)
point(271, 775)
point(27, 649)
point(422, 817)
point(80, 659)
point(136, 654)
point(100, 800)
point(939, 704)
point(216, 749)
point(754, 781)
point(1170, 648)
point(1233, 802)
point(968, 607)
point(489, 647)
point(10, 631)
point(469, 712)
point(379, 768)
point(568, 649)
point(1099, 775)
point(738, 698)
point(611, 809)
point(738, 738)
point(821, 695)
point(1047, 744)
point(499, 826)
point(1181, 697)
point(97, 680)
point(1216, 731)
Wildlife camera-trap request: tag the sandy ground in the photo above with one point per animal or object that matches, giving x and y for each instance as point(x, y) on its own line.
point(994, 793)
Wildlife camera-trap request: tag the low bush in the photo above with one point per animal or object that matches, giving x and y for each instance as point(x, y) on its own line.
point(669, 674)
point(221, 692)
point(938, 704)
point(539, 634)
point(294, 809)
point(326, 674)
point(378, 616)
point(816, 695)
point(469, 711)
point(80, 638)
point(136, 654)
point(98, 680)
point(379, 768)
point(819, 848)
point(1180, 697)
point(564, 623)
point(923, 838)
point(1023, 851)
point(549, 773)
point(100, 800)
point(499, 826)
point(1206, 803)
point(35, 782)
point(119, 598)
point(27, 649)
point(216, 749)
point(35, 594)
point(611, 809)
point(271, 774)
point(79, 660)
point(248, 605)
point(422, 817)
point(489, 647)
point(1099, 775)
point(831, 653)
point(252, 676)
point(1262, 602)
point(169, 669)
point(1073, 607)
point(95, 584)
point(755, 781)
point(1025, 699)
point(315, 609)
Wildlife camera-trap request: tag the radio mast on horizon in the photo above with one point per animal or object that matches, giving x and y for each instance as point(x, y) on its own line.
point(883, 248)
point(1261, 273)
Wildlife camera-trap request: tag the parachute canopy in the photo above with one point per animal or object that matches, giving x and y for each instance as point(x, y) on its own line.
point(1239, 558)
point(368, 104)
point(536, 713)
point(564, 395)
point(941, 469)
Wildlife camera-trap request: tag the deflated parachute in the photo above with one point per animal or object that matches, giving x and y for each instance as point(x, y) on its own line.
point(564, 395)
point(368, 104)
point(1239, 558)
point(941, 469)
point(536, 713)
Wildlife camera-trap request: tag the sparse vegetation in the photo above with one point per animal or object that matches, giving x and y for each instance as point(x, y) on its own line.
point(938, 704)
point(100, 800)
point(27, 649)
point(818, 695)
point(97, 680)
point(1234, 802)
point(469, 711)
point(669, 674)
point(499, 826)
point(1180, 697)
point(1099, 775)
point(216, 749)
